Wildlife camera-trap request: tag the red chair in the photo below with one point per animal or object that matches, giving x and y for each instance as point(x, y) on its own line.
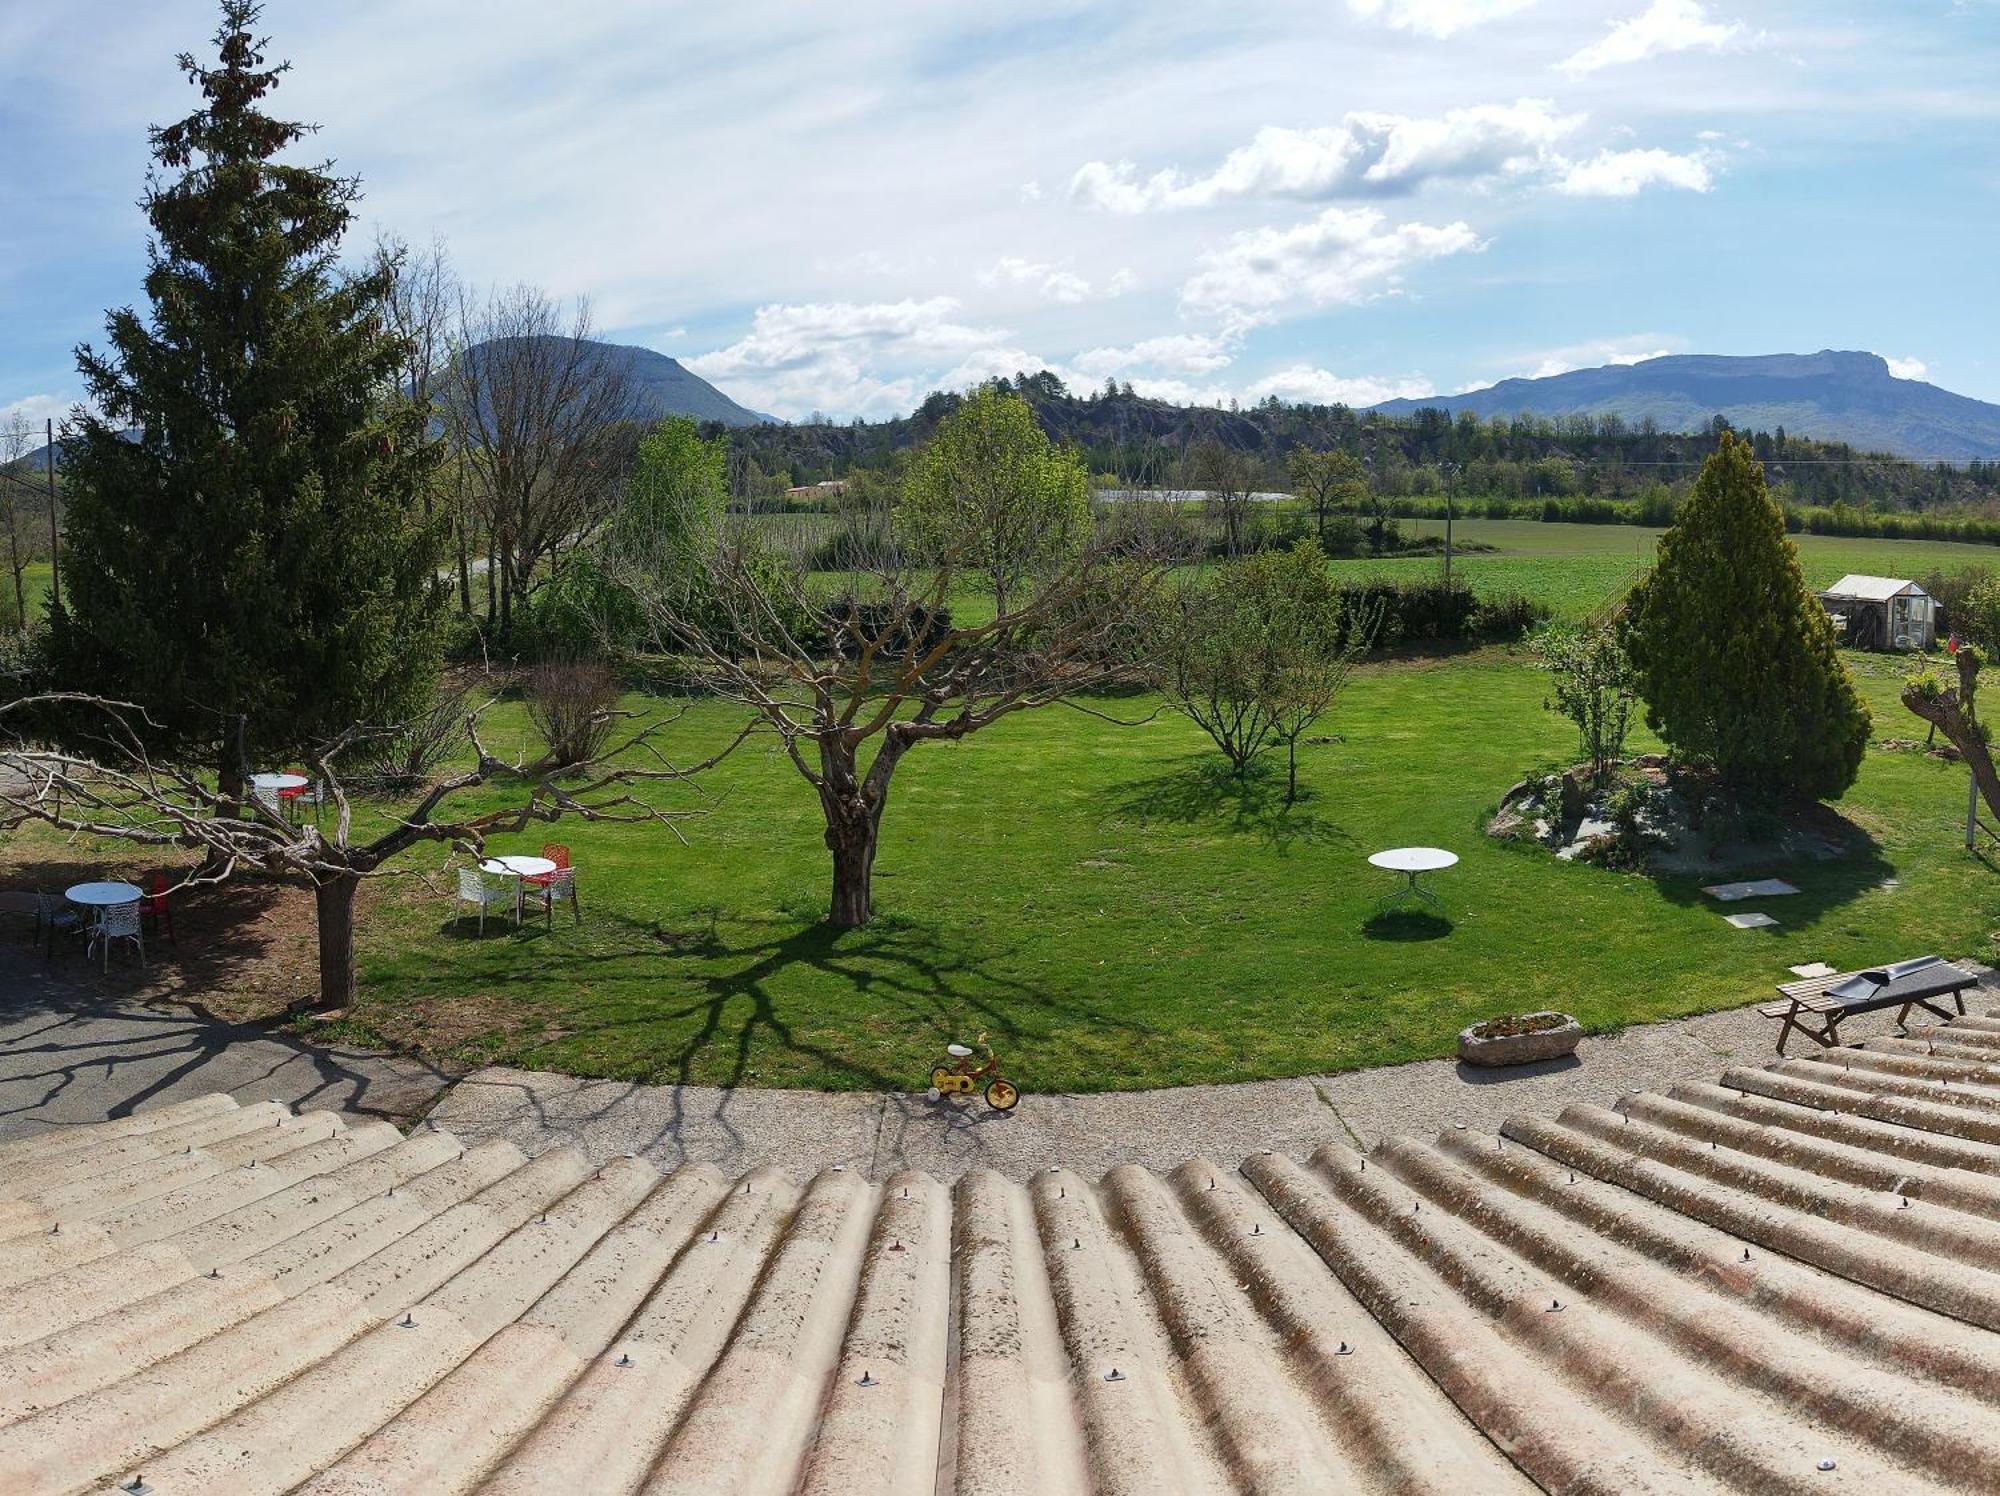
point(560, 884)
point(154, 907)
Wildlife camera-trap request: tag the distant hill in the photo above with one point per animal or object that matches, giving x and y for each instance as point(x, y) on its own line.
point(663, 387)
point(1830, 396)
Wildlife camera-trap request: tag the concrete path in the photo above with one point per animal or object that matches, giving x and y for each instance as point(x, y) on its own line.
point(803, 1132)
point(71, 1050)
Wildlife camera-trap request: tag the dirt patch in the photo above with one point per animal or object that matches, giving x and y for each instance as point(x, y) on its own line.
point(245, 951)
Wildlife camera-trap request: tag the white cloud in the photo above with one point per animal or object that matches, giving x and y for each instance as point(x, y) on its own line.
point(1303, 384)
point(1626, 173)
point(1664, 26)
point(1175, 353)
point(1051, 282)
point(1367, 154)
point(872, 358)
point(36, 409)
point(1907, 368)
point(1632, 348)
point(1439, 18)
point(1343, 256)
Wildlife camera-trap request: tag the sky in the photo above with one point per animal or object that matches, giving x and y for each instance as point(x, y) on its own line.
point(839, 208)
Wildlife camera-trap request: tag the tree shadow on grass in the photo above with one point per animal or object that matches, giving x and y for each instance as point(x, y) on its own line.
point(1825, 885)
point(892, 972)
point(1207, 791)
point(1406, 925)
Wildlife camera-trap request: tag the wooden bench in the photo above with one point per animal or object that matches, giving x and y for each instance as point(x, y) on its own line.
point(1907, 984)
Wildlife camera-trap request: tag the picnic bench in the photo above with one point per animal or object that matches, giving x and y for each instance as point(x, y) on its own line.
point(1907, 984)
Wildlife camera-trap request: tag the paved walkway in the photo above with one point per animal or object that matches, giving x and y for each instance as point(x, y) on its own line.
point(803, 1132)
point(71, 1051)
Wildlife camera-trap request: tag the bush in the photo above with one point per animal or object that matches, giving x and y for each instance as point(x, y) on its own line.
point(1512, 615)
point(579, 613)
point(569, 702)
point(1733, 653)
point(411, 753)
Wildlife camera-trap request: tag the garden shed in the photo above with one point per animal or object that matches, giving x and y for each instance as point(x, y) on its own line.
point(1881, 612)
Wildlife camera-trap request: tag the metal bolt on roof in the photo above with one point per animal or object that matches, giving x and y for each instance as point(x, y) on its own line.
point(1826, 1464)
point(1555, 1307)
point(407, 1322)
point(1343, 1349)
point(136, 1486)
point(867, 1379)
point(1114, 1375)
point(623, 1361)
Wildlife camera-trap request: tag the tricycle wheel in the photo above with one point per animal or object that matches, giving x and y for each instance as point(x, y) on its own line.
point(1002, 1095)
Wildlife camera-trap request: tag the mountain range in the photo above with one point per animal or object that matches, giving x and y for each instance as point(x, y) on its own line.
point(1831, 396)
point(665, 388)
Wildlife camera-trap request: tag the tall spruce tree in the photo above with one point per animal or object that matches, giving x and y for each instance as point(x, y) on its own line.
point(1734, 655)
point(244, 556)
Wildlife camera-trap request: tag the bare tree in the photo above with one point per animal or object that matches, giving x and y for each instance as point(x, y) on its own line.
point(118, 790)
point(853, 668)
point(16, 436)
point(536, 413)
point(421, 308)
point(1228, 477)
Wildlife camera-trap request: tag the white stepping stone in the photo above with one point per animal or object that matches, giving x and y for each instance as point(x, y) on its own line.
point(1756, 921)
point(1812, 969)
point(1763, 888)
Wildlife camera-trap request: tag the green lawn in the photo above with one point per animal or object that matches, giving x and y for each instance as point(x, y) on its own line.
point(1116, 914)
point(1576, 569)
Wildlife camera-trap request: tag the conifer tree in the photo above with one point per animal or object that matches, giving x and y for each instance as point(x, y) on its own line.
point(243, 557)
point(1734, 655)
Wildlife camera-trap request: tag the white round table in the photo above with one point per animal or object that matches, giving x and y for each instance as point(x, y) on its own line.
point(520, 869)
point(278, 782)
point(103, 895)
point(1410, 861)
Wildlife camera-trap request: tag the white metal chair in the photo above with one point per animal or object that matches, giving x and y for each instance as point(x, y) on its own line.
point(552, 888)
point(476, 889)
point(118, 922)
point(56, 917)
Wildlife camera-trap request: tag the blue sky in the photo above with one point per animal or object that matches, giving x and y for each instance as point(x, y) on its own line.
point(839, 208)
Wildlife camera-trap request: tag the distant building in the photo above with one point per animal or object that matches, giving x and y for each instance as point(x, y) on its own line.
point(1881, 613)
point(826, 488)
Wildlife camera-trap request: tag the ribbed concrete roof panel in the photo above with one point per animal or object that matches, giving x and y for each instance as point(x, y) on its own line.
point(1785, 1281)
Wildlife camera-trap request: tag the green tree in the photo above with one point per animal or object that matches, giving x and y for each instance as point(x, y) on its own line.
point(1592, 678)
point(992, 493)
point(1734, 655)
point(249, 567)
point(1260, 650)
point(1327, 481)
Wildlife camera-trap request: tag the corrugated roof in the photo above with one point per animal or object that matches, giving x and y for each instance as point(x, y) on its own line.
point(1868, 589)
point(1789, 1281)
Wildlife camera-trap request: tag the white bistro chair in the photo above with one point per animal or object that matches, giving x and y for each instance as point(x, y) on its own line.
point(118, 922)
point(476, 889)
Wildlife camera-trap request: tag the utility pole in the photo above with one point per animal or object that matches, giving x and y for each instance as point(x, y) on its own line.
point(1448, 469)
point(49, 457)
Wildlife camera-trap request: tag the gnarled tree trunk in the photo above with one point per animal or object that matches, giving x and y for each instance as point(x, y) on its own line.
point(1951, 713)
point(333, 899)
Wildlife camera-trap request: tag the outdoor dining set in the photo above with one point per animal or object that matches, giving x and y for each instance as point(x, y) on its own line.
point(99, 913)
point(519, 884)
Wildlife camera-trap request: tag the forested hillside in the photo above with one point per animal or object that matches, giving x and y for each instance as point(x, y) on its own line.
point(1140, 442)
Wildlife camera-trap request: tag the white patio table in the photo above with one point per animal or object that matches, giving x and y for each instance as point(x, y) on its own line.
point(1410, 861)
point(520, 869)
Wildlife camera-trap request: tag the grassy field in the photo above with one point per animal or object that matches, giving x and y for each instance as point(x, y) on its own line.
point(1116, 912)
point(1577, 569)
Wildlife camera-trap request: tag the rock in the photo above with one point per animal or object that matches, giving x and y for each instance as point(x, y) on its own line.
point(1520, 1049)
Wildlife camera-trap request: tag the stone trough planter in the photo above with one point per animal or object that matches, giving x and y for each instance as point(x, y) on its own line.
point(1521, 1040)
